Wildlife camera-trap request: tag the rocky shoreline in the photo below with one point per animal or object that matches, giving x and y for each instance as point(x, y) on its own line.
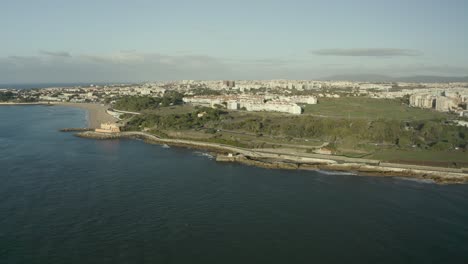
point(225, 153)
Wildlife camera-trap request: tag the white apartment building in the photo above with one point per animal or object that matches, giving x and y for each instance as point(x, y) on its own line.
point(437, 102)
point(251, 103)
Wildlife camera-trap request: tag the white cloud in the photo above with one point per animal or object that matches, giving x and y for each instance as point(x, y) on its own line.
point(368, 52)
point(134, 66)
point(118, 66)
point(55, 53)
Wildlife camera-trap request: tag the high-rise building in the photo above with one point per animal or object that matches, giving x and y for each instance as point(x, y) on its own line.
point(229, 84)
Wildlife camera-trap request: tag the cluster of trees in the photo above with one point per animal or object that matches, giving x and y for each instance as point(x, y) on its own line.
point(436, 134)
point(428, 134)
point(175, 121)
point(28, 99)
point(205, 91)
point(138, 103)
point(9, 96)
point(6, 96)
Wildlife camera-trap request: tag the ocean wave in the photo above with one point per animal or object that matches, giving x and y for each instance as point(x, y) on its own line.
point(331, 172)
point(204, 154)
point(425, 181)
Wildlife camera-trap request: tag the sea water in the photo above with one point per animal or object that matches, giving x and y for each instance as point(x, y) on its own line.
point(65, 199)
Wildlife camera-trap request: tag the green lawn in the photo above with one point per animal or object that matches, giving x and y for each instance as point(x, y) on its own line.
point(369, 108)
point(177, 109)
point(423, 157)
point(327, 122)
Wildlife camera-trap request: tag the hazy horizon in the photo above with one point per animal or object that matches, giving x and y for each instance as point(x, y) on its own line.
point(356, 78)
point(119, 41)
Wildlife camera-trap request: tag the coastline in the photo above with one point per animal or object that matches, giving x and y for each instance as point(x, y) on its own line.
point(278, 160)
point(15, 103)
point(96, 113)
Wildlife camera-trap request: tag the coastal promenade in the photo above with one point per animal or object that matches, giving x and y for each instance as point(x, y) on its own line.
point(306, 161)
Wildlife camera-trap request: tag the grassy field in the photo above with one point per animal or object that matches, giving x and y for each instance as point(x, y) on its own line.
point(369, 108)
point(345, 107)
point(423, 157)
point(179, 109)
point(364, 135)
point(248, 139)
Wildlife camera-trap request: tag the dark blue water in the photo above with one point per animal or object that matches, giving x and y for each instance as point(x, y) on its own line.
point(69, 200)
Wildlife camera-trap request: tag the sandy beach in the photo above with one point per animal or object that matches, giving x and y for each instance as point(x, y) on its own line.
point(96, 113)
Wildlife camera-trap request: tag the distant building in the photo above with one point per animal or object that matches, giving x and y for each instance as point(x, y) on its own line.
point(208, 101)
point(437, 102)
point(145, 91)
point(300, 99)
point(108, 128)
point(462, 123)
point(445, 104)
point(233, 105)
point(229, 84)
point(251, 103)
point(422, 100)
point(49, 98)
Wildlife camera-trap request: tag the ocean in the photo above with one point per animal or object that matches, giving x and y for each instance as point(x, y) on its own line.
point(65, 199)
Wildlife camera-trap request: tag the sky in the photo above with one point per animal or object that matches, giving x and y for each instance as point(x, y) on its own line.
point(132, 41)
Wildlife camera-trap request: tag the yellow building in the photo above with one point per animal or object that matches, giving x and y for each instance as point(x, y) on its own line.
point(108, 128)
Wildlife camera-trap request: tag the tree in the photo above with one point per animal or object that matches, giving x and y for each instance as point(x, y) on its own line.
point(6, 96)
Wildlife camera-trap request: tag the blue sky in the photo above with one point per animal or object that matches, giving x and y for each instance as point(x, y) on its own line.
point(88, 40)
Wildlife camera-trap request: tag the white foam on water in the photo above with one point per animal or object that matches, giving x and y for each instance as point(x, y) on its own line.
point(425, 181)
point(330, 172)
point(204, 154)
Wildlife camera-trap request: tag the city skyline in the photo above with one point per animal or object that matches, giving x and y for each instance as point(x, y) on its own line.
point(117, 41)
